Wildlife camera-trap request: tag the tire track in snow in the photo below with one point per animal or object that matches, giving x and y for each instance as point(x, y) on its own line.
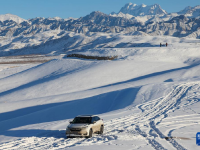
point(153, 142)
point(174, 98)
point(161, 135)
point(53, 143)
point(159, 108)
point(151, 111)
point(166, 105)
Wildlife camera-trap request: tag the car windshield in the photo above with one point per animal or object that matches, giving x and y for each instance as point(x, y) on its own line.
point(82, 120)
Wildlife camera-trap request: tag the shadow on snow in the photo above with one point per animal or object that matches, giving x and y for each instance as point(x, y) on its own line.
point(65, 110)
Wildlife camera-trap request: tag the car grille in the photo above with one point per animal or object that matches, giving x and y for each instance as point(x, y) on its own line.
point(75, 129)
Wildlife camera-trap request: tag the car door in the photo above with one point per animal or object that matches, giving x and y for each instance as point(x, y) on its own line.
point(95, 124)
point(98, 123)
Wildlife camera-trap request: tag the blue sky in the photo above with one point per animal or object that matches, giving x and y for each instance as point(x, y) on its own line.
point(77, 8)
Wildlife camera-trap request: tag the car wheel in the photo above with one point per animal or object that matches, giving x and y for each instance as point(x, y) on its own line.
point(90, 133)
point(101, 130)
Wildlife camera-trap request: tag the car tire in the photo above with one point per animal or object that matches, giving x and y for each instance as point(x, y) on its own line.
point(101, 130)
point(90, 133)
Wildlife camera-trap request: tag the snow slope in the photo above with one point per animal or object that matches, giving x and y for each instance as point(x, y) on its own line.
point(148, 97)
point(59, 42)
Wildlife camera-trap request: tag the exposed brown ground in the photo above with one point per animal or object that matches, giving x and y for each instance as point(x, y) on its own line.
point(92, 57)
point(180, 138)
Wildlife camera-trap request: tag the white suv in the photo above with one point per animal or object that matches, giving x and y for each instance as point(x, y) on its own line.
point(85, 126)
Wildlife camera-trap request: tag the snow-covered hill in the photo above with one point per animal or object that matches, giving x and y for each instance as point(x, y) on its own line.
point(59, 42)
point(148, 96)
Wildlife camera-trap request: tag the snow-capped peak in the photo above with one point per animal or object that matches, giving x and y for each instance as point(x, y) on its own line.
point(189, 11)
point(143, 5)
point(134, 4)
point(15, 18)
point(142, 10)
point(55, 18)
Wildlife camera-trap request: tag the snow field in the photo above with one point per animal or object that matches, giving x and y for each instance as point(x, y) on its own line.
point(148, 98)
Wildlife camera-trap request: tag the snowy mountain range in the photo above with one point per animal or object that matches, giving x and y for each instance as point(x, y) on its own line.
point(135, 20)
point(148, 96)
point(144, 13)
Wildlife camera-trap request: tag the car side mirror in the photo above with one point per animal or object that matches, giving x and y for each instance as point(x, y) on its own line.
point(94, 122)
point(70, 122)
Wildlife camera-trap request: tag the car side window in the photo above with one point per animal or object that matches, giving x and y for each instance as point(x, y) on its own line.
point(93, 119)
point(97, 118)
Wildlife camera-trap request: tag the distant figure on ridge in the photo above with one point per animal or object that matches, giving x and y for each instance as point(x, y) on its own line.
point(160, 44)
point(166, 44)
